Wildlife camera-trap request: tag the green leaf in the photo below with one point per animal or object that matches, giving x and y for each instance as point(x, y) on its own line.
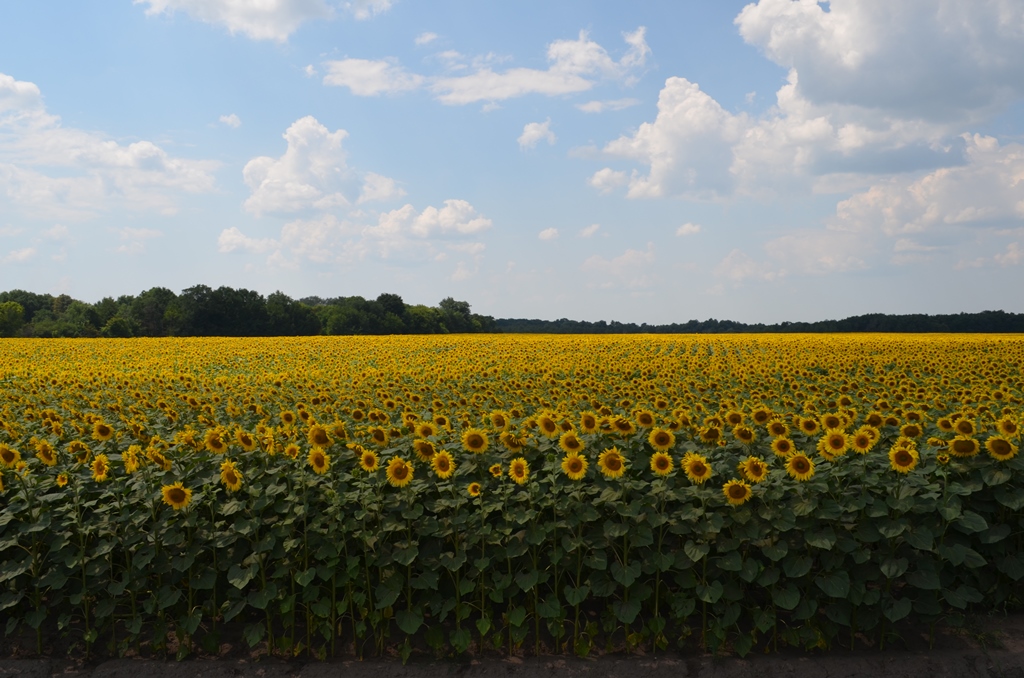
point(1012, 566)
point(517, 616)
point(548, 608)
point(254, 633)
point(303, 578)
point(787, 597)
point(894, 567)
point(409, 621)
point(483, 625)
point(834, 584)
point(743, 644)
point(924, 579)
point(625, 575)
point(731, 562)
point(385, 595)
point(710, 593)
point(797, 566)
point(626, 611)
point(405, 556)
point(822, 539)
point(615, 530)
point(995, 475)
point(994, 534)
point(575, 596)
point(527, 580)
point(776, 551)
point(240, 576)
point(892, 528)
point(167, 596)
point(695, 551)
point(260, 599)
point(899, 609)
point(970, 522)
point(920, 538)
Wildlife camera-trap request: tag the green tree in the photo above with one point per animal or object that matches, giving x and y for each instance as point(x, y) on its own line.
point(12, 317)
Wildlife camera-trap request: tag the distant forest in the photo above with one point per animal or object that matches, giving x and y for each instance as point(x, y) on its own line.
point(201, 311)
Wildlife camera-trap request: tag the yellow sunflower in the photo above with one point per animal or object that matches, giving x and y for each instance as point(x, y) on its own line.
point(475, 440)
point(1000, 448)
point(661, 440)
point(495, 470)
point(661, 464)
point(800, 467)
point(292, 450)
point(379, 436)
point(474, 489)
point(736, 492)
point(833, 444)
point(964, 446)
point(777, 428)
point(368, 461)
point(9, 456)
point(245, 439)
point(511, 441)
point(611, 463)
point(903, 459)
point(100, 468)
point(547, 426)
point(444, 465)
point(500, 420)
point(697, 468)
point(589, 422)
point(45, 453)
point(319, 460)
point(743, 433)
point(570, 443)
point(399, 472)
point(214, 441)
point(102, 431)
point(176, 496)
point(426, 429)
point(424, 450)
point(1008, 427)
point(754, 469)
point(519, 470)
point(62, 479)
point(574, 466)
point(230, 476)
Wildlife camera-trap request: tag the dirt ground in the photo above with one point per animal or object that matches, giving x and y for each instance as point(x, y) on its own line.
point(992, 647)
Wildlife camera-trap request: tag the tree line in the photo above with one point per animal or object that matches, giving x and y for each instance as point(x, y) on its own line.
point(201, 311)
point(985, 321)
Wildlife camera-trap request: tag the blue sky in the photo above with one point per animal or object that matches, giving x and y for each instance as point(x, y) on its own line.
point(647, 162)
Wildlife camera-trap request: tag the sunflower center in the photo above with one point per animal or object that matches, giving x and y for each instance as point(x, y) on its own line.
point(737, 491)
point(400, 472)
point(963, 446)
point(1001, 447)
point(475, 441)
point(661, 439)
point(836, 443)
point(698, 468)
point(800, 466)
point(442, 464)
point(230, 477)
point(575, 465)
point(904, 458)
point(176, 495)
point(613, 463)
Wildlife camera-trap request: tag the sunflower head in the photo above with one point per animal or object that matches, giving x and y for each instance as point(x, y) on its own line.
point(500, 420)
point(62, 479)
point(964, 426)
point(426, 429)
point(475, 440)
point(547, 426)
point(574, 466)
point(570, 442)
point(754, 469)
point(782, 447)
point(292, 450)
point(319, 460)
point(777, 428)
point(399, 472)
point(589, 422)
point(1008, 427)
point(443, 464)
point(176, 496)
point(519, 470)
point(100, 468)
point(736, 492)
point(495, 470)
point(661, 439)
point(474, 489)
point(102, 431)
point(368, 461)
point(645, 418)
point(697, 468)
point(230, 476)
point(963, 446)
point(1000, 448)
point(903, 459)
point(424, 450)
point(800, 467)
point(9, 456)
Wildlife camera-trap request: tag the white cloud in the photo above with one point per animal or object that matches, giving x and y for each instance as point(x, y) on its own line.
point(367, 9)
point(737, 266)
point(233, 240)
point(368, 78)
point(607, 105)
point(231, 120)
point(309, 70)
point(988, 190)
point(631, 269)
point(19, 256)
point(262, 20)
point(57, 232)
point(425, 38)
point(548, 234)
point(589, 230)
point(136, 239)
point(380, 188)
point(607, 180)
point(49, 170)
point(688, 229)
point(534, 133)
point(312, 173)
point(1012, 256)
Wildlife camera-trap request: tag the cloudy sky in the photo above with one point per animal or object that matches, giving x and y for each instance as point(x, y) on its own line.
point(646, 161)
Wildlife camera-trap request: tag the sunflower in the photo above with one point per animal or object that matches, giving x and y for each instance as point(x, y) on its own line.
point(319, 460)
point(862, 441)
point(911, 430)
point(800, 467)
point(519, 470)
point(782, 447)
point(833, 421)
point(426, 429)
point(158, 458)
point(292, 450)
point(574, 466)
point(570, 443)
point(230, 476)
point(697, 468)
point(474, 440)
point(424, 450)
point(589, 422)
point(176, 496)
point(777, 428)
point(512, 442)
point(942, 459)
point(661, 440)
point(45, 453)
point(1008, 427)
point(379, 436)
point(964, 446)
point(79, 450)
point(661, 464)
point(964, 426)
point(945, 424)
point(611, 463)
point(399, 472)
point(874, 419)
point(743, 433)
point(443, 422)
point(130, 459)
point(547, 426)
point(495, 470)
point(833, 444)
point(444, 465)
point(733, 418)
point(214, 441)
point(368, 461)
point(809, 426)
point(623, 426)
point(736, 492)
point(9, 456)
point(645, 418)
point(903, 459)
point(102, 431)
point(473, 489)
point(100, 468)
point(1000, 448)
point(500, 420)
point(754, 469)
point(710, 434)
point(245, 439)
point(62, 479)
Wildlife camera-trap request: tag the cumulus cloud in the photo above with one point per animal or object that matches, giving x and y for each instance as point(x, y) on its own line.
point(573, 66)
point(607, 180)
point(548, 234)
point(19, 256)
point(49, 170)
point(534, 133)
point(608, 105)
point(589, 230)
point(134, 239)
point(313, 174)
point(362, 10)
point(231, 120)
point(425, 38)
point(263, 20)
point(1012, 256)
point(688, 229)
point(368, 78)
point(630, 270)
point(233, 240)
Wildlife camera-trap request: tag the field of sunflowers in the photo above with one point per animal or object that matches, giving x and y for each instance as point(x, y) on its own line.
point(356, 496)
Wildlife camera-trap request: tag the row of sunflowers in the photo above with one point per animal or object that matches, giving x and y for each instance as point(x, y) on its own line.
point(470, 494)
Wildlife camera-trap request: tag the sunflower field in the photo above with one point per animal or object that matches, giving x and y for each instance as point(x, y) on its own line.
point(356, 496)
